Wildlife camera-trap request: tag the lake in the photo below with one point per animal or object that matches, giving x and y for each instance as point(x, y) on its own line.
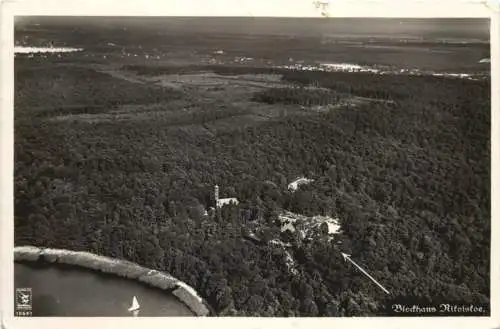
point(70, 291)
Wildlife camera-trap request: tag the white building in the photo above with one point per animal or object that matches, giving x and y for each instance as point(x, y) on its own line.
point(222, 202)
point(329, 227)
point(288, 227)
point(227, 201)
point(293, 186)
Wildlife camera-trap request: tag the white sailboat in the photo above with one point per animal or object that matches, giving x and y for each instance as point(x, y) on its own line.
point(135, 305)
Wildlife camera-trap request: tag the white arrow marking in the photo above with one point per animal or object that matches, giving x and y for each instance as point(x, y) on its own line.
point(348, 257)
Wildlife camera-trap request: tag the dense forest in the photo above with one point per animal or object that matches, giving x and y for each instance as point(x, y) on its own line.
point(408, 175)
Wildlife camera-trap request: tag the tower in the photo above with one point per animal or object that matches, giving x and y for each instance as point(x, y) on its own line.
point(216, 195)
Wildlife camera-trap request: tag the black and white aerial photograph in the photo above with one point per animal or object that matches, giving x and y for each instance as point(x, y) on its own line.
point(251, 167)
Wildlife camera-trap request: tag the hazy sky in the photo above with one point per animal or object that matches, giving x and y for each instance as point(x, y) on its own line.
point(477, 28)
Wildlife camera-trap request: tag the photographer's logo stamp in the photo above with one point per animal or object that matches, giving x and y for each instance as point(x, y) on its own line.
point(24, 301)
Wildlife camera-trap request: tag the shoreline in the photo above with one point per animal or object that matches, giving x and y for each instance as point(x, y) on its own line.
point(115, 267)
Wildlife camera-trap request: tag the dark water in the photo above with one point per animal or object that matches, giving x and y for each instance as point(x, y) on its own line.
point(66, 291)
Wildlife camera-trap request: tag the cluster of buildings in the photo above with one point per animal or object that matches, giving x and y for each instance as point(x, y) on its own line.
point(309, 227)
point(294, 223)
point(293, 186)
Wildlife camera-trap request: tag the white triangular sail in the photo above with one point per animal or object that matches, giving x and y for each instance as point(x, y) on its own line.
point(135, 305)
